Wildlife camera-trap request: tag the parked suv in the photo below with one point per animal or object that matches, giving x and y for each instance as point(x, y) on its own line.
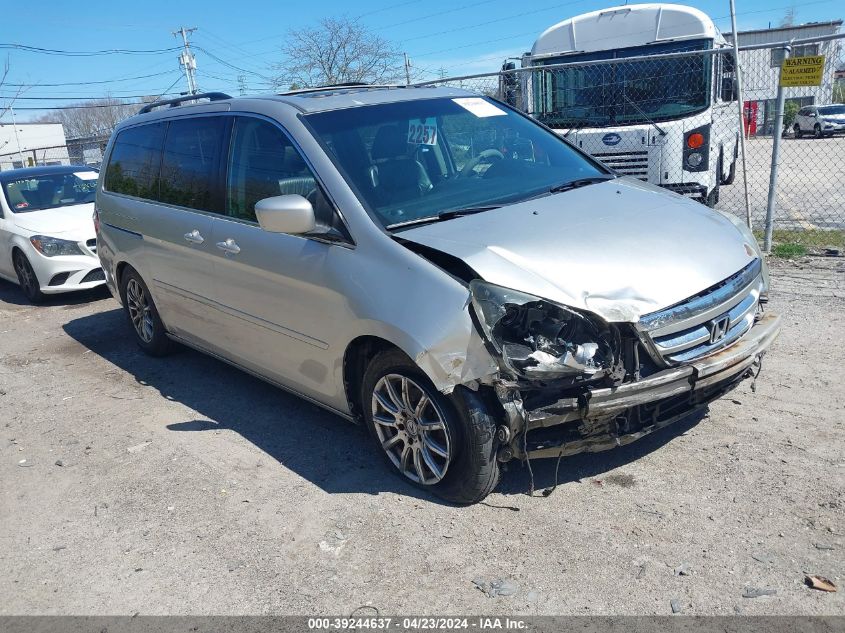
point(820, 120)
point(433, 264)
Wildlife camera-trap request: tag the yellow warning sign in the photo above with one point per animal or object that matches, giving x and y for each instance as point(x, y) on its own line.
point(802, 71)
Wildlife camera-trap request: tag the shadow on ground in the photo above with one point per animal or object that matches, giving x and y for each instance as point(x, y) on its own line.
point(319, 446)
point(12, 294)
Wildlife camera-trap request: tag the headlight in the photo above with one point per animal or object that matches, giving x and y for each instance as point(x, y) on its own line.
point(53, 246)
point(541, 340)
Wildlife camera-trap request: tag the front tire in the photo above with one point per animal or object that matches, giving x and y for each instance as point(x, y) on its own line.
point(797, 130)
point(817, 131)
point(27, 279)
point(150, 333)
point(443, 444)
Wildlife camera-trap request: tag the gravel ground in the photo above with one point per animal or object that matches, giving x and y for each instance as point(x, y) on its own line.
point(180, 485)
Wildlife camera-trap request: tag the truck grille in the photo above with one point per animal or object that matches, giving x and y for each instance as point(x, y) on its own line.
point(628, 163)
point(709, 321)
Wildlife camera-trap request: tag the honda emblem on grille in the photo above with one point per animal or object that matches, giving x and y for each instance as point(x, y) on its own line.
point(719, 328)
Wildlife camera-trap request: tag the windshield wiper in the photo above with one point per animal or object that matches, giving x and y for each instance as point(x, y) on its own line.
point(642, 114)
point(580, 182)
point(444, 215)
point(456, 213)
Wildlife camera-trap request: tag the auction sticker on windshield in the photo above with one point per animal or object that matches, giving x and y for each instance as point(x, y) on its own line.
point(422, 131)
point(479, 107)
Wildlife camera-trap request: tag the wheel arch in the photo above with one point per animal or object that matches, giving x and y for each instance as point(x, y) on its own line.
point(358, 355)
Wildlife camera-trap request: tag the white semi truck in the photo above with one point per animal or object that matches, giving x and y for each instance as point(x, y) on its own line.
point(648, 89)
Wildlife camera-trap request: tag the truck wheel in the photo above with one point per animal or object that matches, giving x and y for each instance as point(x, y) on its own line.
point(27, 279)
point(150, 333)
point(797, 129)
point(443, 444)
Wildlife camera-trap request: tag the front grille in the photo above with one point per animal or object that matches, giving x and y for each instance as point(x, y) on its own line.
point(95, 275)
point(627, 163)
point(92, 245)
point(709, 321)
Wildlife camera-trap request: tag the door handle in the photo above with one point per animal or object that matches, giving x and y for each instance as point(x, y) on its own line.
point(229, 247)
point(194, 237)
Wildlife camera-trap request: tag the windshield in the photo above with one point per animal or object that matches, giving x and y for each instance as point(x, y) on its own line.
point(835, 109)
point(614, 93)
point(421, 159)
point(50, 191)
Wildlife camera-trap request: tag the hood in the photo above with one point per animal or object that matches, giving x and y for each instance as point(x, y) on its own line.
point(69, 223)
point(620, 249)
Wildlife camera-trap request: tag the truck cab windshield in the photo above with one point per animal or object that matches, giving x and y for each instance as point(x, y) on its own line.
point(616, 93)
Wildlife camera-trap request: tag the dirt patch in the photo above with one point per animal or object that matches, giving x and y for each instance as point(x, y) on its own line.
point(232, 497)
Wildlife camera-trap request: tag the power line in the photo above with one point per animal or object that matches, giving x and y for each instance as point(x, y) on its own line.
point(78, 98)
point(86, 83)
point(232, 66)
point(86, 107)
point(111, 51)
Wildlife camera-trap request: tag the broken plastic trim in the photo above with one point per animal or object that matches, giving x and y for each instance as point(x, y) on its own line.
point(540, 340)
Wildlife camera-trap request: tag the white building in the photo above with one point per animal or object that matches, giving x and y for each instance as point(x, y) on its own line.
point(31, 144)
point(761, 70)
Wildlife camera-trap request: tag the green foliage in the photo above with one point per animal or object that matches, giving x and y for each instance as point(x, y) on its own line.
point(790, 109)
point(789, 250)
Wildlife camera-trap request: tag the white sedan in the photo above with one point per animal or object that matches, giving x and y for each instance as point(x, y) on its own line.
point(47, 239)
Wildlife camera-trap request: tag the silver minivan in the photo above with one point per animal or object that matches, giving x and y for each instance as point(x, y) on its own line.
point(433, 264)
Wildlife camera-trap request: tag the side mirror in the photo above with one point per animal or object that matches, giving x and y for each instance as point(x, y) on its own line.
point(285, 214)
point(729, 89)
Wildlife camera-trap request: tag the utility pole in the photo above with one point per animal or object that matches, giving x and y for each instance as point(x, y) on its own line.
point(407, 69)
point(17, 138)
point(187, 60)
point(242, 88)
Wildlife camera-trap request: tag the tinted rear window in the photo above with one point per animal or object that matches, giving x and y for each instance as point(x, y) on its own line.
point(134, 163)
point(191, 163)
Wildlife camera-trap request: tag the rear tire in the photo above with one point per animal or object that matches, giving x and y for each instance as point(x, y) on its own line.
point(27, 279)
point(442, 444)
point(150, 333)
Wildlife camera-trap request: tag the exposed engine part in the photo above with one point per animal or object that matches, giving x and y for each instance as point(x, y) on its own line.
point(542, 341)
point(503, 434)
point(505, 454)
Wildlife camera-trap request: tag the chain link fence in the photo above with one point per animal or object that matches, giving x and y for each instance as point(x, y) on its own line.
point(87, 151)
point(674, 120)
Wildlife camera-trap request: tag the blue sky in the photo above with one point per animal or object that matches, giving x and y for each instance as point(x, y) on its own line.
point(460, 36)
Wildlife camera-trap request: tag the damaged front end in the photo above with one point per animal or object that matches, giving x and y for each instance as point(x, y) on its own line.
point(571, 382)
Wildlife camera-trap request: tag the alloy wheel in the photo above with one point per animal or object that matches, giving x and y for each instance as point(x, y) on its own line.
point(26, 276)
point(140, 311)
point(411, 429)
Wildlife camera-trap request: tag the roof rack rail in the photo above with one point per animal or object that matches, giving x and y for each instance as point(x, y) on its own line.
point(330, 87)
point(211, 96)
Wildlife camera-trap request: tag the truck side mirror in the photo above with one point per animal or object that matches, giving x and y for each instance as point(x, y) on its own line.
point(729, 89)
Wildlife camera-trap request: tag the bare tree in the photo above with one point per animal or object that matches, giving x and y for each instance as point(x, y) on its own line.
point(7, 102)
point(337, 50)
point(91, 118)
